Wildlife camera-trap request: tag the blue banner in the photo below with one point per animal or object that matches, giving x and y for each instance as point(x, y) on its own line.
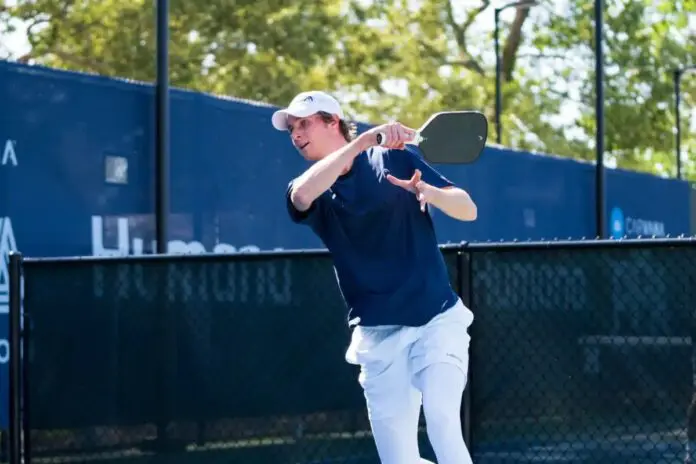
point(77, 178)
point(640, 205)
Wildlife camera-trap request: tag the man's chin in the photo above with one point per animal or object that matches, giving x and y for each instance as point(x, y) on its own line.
point(309, 156)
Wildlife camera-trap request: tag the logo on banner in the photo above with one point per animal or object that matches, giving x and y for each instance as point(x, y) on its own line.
point(7, 244)
point(9, 154)
point(617, 223)
point(126, 245)
point(627, 226)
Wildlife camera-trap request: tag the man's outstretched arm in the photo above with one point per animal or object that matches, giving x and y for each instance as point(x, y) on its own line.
point(452, 200)
point(324, 173)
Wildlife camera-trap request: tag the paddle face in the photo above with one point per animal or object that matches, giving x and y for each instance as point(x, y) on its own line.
point(453, 137)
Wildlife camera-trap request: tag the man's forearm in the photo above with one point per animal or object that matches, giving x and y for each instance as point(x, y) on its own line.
point(454, 202)
point(324, 173)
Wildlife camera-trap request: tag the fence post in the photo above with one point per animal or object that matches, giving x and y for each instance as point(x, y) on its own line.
point(464, 291)
point(15, 287)
point(25, 330)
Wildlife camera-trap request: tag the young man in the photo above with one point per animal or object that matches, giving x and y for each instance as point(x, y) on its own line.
point(369, 205)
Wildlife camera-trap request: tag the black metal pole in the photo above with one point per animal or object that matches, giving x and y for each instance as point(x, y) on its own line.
point(498, 73)
point(599, 82)
point(162, 128)
point(26, 406)
point(498, 96)
point(162, 195)
point(677, 104)
point(15, 411)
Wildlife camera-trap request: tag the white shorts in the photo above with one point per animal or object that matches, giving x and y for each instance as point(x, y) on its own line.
point(390, 356)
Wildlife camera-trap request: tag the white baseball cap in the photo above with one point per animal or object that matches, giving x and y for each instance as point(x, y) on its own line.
point(306, 104)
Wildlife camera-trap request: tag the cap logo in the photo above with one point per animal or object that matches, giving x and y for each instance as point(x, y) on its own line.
point(308, 99)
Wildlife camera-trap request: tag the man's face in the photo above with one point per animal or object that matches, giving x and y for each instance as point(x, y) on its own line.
point(312, 136)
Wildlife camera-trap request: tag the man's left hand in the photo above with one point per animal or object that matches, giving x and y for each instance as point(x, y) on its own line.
point(416, 186)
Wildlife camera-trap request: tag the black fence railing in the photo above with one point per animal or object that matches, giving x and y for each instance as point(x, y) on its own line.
point(581, 352)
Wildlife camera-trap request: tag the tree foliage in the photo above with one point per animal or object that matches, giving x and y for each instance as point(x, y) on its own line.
point(404, 59)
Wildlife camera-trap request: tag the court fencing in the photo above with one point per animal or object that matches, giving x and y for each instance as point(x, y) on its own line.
point(582, 352)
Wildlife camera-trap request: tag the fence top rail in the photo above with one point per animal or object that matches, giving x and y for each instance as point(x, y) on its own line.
point(174, 257)
point(322, 252)
point(635, 243)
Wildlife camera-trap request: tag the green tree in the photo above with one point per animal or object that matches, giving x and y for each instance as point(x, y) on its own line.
point(645, 41)
point(250, 49)
point(400, 59)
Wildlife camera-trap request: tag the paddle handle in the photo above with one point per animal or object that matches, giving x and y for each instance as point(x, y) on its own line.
point(382, 138)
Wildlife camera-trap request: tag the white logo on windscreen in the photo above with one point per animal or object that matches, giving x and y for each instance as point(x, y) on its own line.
point(9, 154)
point(7, 244)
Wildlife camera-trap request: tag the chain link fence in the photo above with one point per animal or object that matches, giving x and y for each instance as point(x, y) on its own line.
point(192, 359)
point(581, 353)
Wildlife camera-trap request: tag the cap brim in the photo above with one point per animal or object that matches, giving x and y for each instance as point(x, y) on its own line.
point(280, 117)
point(280, 120)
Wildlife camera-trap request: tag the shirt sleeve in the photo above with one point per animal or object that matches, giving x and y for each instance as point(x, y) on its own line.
point(429, 174)
point(297, 216)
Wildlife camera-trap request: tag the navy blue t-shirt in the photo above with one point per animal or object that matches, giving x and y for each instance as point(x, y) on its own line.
point(389, 268)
